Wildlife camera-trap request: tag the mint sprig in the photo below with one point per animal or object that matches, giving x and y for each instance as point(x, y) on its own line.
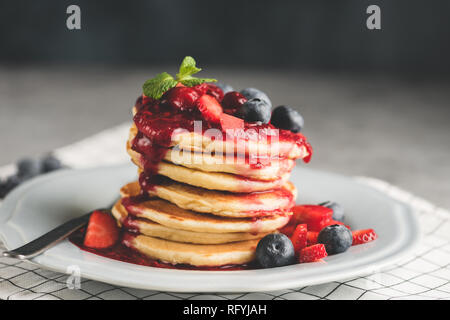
point(156, 86)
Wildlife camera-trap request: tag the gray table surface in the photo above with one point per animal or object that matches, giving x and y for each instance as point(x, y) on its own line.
point(386, 128)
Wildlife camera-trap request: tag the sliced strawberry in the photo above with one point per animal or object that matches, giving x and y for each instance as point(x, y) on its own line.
point(363, 236)
point(311, 237)
point(299, 237)
point(312, 253)
point(211, 89)
point(316, 217)
point(210, 108)
point(229, 122)
point(102, 231)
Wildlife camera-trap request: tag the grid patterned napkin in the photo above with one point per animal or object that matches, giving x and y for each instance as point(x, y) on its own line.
point(424, 275)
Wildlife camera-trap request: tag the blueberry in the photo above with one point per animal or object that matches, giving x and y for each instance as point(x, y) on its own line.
point(28, 168)
point(50, 163)
point(251, 93)
point(336, 238)
point(225, 87)
point(338, 210)
point(287, 118)
point(7, 185)
point(254, 110)
point(275, 250)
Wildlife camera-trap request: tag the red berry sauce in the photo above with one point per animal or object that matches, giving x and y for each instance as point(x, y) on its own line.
point(158, 120)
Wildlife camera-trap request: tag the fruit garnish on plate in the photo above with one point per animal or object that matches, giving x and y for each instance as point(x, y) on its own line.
point(102, 231)
point(312, 253)
point(363, 236)
point(315, 234)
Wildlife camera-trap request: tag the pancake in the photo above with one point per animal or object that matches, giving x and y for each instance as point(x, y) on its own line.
point(270, 142)
point(235, 205)
point(193, 254)
point(264, 169)
point(171, 216)
point(218, 180)
point(153, 229)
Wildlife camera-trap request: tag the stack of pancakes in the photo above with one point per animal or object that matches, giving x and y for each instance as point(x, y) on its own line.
point(206, 211)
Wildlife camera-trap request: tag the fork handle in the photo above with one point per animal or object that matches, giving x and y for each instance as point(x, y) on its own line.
point(49, 239)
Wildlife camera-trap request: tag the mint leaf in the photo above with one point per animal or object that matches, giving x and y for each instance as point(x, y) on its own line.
point(191, 81)
point(187, 68)
point(155, 87)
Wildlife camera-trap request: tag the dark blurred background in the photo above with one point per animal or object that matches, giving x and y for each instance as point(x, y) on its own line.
point(375, 102)
point(314, 35)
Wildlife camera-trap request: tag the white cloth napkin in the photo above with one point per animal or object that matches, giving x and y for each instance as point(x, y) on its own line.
point(424, 275)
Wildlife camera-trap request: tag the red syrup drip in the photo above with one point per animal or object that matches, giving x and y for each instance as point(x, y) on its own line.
point(122, 252)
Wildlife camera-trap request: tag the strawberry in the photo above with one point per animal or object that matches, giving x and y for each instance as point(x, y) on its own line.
point(288, 229)
point(231, 123)
point(210, 108)
point(312, 253)
point(316, 217)
point(363, 236)
point(102, 231)
point(210, 89)
point(299, 237)
point(311, 237)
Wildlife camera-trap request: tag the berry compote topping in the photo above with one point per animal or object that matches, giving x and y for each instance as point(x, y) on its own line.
point(232, 101)
point(179, 108)
point(210, 89)
point(182, 98)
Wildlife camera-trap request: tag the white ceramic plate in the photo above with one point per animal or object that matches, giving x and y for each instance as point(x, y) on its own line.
point(43, 203)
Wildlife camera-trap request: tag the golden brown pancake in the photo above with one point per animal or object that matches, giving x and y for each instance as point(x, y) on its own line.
point(171, 216)
point(270, 170)
point(227, 204)
point(195, 142)
point(153, 229)
point(218, 180)
point(193, 254)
